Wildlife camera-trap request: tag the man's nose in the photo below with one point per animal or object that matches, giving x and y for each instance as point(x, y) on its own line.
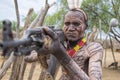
point(71, 27)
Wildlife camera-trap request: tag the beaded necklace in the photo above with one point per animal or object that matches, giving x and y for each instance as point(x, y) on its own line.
point(80, 44)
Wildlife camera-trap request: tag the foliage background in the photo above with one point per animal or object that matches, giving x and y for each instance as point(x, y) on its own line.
point(99, 12)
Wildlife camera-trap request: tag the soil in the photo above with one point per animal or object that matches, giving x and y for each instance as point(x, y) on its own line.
point(108, 73)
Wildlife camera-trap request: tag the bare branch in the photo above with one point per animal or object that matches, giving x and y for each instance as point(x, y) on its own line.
point(43, 14)
point(18, 18)
point(46, 2)
point(52, 4)
point(27, 22)
point(33, 24)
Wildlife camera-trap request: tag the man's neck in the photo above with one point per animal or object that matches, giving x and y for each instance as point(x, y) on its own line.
point(72, 44)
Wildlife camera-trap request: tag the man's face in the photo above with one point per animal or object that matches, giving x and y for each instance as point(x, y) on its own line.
point(74, 25)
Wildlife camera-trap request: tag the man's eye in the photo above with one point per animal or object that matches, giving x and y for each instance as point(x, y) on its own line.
point(67, 23)
point(76, 23)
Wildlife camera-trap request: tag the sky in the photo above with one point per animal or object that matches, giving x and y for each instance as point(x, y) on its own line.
point(7, 8)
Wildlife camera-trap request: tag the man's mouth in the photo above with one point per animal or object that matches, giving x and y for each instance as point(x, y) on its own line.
point(70, 35)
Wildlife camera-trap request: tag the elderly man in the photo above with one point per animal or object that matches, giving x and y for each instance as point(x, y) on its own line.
point(88, 56)
point(81, 60)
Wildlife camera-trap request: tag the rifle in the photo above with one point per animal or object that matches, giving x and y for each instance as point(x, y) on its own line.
point(33, 40)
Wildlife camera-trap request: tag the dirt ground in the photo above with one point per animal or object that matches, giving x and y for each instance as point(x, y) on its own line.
point(108, 73)
point(111, 73)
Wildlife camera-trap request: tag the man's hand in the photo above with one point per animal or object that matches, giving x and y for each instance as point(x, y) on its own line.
point(32, 57)
point(52, 43)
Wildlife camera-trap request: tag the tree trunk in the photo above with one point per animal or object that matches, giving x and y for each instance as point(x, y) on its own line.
point(93, 34)
point(18, 18)
point(16, 68)
point(22, 70)
point(6, 65)
point(42, 74)
point(32, 71)
point(17, 62)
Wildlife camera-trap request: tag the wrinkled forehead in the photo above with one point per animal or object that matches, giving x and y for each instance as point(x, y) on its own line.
point(74, 14)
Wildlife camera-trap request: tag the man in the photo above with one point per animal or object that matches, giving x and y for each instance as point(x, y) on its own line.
point(89, 56)
point(80, 60)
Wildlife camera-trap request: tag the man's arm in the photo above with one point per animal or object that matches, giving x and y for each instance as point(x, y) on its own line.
point(57, 49)
point(95, 62)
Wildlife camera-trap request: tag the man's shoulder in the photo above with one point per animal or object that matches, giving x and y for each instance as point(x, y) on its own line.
point(93, 44)
point(94, 47)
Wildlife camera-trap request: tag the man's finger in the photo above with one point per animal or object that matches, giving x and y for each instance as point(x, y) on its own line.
point(50, 33)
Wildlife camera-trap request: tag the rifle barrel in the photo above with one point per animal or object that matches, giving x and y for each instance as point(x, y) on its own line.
point(15, 43)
